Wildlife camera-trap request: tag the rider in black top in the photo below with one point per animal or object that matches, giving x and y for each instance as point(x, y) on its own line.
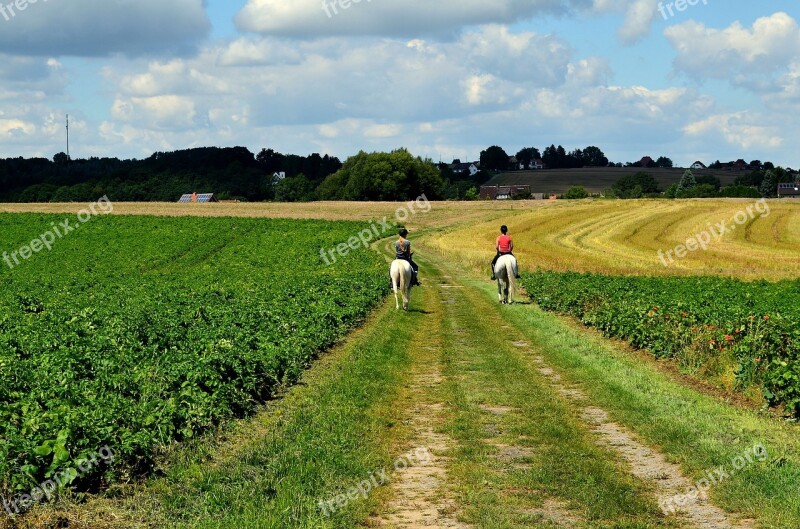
point(403, 249)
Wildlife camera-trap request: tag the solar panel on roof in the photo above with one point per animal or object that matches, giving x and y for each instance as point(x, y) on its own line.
point(197, 197)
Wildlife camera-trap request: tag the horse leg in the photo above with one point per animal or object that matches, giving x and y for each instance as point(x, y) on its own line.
point(499, 290)
point(395, 281)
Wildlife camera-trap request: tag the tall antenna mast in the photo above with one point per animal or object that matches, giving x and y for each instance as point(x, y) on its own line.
point(67, 136)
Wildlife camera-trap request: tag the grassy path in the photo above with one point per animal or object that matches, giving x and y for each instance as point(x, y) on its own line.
point(461, 414)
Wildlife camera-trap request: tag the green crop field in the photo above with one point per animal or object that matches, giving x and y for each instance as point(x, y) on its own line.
point(135, 332)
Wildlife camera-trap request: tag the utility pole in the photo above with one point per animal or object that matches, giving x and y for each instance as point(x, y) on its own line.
point(67, 136)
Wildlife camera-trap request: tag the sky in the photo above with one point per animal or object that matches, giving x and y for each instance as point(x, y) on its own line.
point(689, 79)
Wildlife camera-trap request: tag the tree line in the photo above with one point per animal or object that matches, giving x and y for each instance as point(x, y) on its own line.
point(236, 173)
point(230, 173)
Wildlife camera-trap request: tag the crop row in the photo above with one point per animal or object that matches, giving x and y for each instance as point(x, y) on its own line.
point(716, 327)
point(138, 332)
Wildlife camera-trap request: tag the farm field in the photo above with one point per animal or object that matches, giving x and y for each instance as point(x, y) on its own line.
point(135, 332)
point(597, 179)
point(506, 417)
point(626, 236)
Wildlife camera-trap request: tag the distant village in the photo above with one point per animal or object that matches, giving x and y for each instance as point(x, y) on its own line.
point(464, 170)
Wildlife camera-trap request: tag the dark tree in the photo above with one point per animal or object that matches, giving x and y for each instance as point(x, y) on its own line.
point(708, 179)
point(270, 160)
point(664, 162)
point(527, 155)
point(550, 157)
point(494, 159)
point(635, 185)
point(594, 157)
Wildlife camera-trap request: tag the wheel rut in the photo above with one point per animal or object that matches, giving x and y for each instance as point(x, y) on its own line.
point(420, 495)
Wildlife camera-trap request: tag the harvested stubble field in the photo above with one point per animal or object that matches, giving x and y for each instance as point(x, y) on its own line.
point(625, 237)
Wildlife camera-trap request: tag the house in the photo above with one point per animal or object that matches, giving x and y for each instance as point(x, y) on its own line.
point(647, 162)
point(537, 164)
point(464, 169)
point(514, 165)
point(197, 198)
point(698, 165)
point(738, 165)
point(789, 190)
point(280, 175)
point(503, 192)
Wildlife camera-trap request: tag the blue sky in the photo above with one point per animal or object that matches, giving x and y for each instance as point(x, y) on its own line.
point(720, 80)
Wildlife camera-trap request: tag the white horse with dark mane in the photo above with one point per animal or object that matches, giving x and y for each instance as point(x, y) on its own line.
point(506, 272)
point(402, 278)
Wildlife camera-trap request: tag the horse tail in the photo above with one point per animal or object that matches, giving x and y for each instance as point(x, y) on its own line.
point(402, 280)
point(512, 276)
point(405, 273)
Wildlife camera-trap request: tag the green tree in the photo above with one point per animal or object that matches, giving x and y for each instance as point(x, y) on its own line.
point(710, 180)
point(294, 189)
point(270, 160)
point(383, 176)
point(494, 159)
point(663, 161)
point(472, 194)
point(769, 187)
point(687, 182)
point(594, 157)
point(672, 191)
point(739, 191)
point(576, 193)
point(698, 191)
point(527, 155)
point(635, 185)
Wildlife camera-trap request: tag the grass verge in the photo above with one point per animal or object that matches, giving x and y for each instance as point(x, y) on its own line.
point(695, 430)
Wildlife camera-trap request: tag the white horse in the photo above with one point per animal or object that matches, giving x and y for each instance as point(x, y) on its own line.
point(506, 272)
point(402, 274)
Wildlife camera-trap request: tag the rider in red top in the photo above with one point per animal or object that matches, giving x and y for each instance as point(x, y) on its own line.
point(505, 246)
point(504, 243)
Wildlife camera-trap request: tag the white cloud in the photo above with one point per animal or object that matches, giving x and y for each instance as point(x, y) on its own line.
point(737, 53)
point(396, 18)
point(369, 78)
point(638, 20)
point(93, 28)
point(742, 129)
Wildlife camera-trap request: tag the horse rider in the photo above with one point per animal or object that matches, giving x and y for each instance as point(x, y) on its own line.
point(403, 248)
point(505, 246)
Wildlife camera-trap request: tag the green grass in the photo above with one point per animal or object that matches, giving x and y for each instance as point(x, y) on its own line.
point(559, 462)
point(695, 430)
